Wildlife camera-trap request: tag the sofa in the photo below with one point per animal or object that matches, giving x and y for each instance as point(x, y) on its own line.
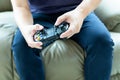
point(64, 59)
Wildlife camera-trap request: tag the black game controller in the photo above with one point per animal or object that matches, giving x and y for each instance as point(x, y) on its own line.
point(48, 36)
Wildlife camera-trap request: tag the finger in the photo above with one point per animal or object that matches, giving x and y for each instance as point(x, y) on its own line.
point(60, 19)
point(70, 36)
point(68, 33)
point(38, 47)
point(38, 27)
point(35, 45)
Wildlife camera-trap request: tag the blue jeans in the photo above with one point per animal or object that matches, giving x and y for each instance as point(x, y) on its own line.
point(94, 38)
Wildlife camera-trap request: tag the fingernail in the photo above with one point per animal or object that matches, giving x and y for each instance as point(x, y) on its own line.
point(56, 23)
point(40, 48)
point(41, 43)
point(61, 36)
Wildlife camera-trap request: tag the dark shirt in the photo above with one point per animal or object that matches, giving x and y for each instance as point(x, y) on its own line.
point(52, 6)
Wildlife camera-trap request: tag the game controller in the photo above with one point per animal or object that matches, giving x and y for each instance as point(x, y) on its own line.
point(48, 36)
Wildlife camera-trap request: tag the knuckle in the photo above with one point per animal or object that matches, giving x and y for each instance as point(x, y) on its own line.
point(30, 44)
point(77, 31)
point(62, 16)
point(36, 24)
point(36, 27)
point(59, 18)
point(70, 30)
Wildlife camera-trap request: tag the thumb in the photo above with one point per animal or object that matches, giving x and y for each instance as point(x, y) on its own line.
point(38, 27)
point(60, 20)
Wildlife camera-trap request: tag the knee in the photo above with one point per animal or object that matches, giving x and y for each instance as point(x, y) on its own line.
point(103, 39)
point(101, 44)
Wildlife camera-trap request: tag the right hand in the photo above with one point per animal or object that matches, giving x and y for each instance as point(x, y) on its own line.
point(28, 32)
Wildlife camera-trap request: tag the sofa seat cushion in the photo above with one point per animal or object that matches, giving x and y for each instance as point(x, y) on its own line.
point(115, 75)
point(7, 29)
point(7, 18)
point(64, 60)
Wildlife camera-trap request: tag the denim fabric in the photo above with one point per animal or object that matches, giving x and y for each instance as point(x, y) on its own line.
point(93, 37)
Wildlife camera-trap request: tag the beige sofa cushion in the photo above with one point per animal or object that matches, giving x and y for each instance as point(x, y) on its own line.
point(115, 75)
point(7, 18)
point(109, 12)
point(5, 5)
point(64, 60)
point(6, 33)
point(113, 23)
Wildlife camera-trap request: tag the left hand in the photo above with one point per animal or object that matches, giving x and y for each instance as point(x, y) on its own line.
point(75, 18)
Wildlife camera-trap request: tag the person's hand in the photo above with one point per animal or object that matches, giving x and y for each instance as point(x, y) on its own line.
point(28, 32)
point(75, 19)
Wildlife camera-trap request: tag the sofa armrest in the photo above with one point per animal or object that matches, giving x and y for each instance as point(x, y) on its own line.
point(109, 12)
point(5, 5)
